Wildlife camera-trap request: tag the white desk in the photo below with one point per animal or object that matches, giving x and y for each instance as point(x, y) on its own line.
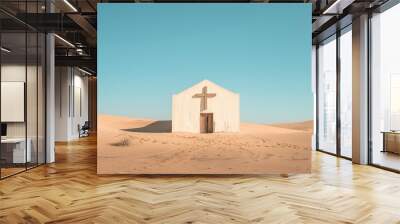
point(18, 149)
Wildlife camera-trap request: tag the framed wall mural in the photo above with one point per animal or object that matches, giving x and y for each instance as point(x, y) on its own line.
point(204, 88)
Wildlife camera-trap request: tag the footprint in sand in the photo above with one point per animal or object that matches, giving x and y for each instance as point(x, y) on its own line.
point(268, 156)
point(122, 142)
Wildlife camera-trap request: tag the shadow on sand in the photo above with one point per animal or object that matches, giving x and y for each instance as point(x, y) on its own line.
point(155, 127)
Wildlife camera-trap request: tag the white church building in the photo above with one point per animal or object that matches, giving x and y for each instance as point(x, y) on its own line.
point(205, 108)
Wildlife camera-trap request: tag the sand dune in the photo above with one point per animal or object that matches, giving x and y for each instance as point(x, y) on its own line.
point(145, 146)
point(304, 126)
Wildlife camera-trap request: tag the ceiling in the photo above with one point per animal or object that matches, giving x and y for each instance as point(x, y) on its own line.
point(75, 21)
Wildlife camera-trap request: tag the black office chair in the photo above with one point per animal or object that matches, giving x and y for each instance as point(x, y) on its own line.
point(84, 130)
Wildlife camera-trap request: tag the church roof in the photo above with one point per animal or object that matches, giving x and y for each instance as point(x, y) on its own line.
point(206, 82)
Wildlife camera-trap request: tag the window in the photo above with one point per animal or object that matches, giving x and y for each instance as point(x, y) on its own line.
point(346, 92)
point(327, 95)
point(385, 89)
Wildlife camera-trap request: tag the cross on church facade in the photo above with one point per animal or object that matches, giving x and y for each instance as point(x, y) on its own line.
point(203, 98)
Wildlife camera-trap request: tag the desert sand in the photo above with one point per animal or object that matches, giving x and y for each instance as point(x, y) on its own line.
point(303, 126)
point(145, 146)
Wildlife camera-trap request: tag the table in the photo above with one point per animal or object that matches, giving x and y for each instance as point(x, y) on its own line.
point(13, 150)
point(391, 141)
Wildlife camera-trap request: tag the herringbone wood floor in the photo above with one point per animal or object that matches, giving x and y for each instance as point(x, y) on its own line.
point(69, 191)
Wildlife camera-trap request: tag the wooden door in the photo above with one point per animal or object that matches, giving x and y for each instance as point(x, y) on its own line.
point(210, 123)
point(203, 123)
point(206, 123)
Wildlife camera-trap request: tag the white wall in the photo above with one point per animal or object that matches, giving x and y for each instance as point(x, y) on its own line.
point(14, 73)
point(62, 81)
point(17, 73)
point(33, 127)
point(71, 102)
point(80, 112)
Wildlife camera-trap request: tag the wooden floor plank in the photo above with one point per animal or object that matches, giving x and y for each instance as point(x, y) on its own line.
point(70, 191)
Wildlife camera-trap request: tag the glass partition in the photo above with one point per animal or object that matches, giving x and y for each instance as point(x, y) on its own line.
point(385, 89)
point(327, 95)
point(14, 155)
point(22, 101)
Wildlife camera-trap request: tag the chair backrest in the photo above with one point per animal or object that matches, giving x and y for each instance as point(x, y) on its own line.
point(86, 124)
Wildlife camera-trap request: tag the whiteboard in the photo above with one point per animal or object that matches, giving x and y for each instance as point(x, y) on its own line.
point(12, 101)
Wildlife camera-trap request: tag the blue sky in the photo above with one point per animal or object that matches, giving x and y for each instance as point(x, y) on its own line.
point(147, 52)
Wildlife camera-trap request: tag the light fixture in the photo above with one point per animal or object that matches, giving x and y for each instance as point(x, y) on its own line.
point(70, 5)
point(79, 51)
point(5, 50)
point(337, 7)
point(84, 71)
point(329, 9)
point(65, 41)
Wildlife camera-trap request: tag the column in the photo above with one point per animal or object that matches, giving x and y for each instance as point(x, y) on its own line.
point(360, 90)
